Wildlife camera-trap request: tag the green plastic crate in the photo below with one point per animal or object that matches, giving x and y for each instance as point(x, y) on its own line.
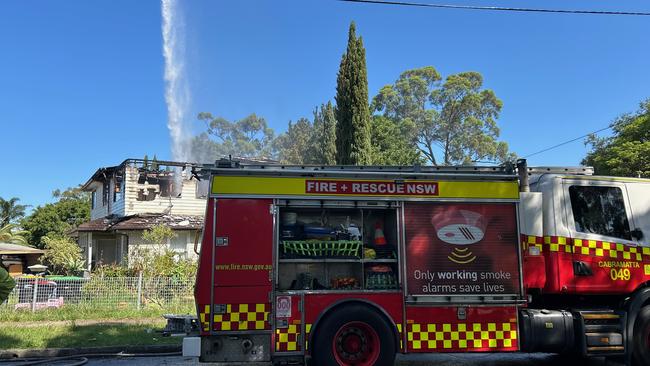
point(313, 248)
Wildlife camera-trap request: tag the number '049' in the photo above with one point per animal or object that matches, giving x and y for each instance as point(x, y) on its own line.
point(620, 274)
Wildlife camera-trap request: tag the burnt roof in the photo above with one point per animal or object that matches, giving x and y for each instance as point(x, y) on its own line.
point(103, 173)
point(142, 222)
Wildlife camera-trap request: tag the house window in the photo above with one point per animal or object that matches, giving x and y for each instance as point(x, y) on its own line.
point(104, 193)
point(93, 198)
point(599, 210)
point(179, 243)
point(117, 190)
point(118, 185)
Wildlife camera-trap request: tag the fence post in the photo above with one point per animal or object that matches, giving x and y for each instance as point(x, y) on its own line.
point(139, 289)
point(34, 293)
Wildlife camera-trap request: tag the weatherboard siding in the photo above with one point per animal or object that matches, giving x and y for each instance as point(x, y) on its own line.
point(99, 210)
point(186, 204)
point(136, 241)
point(127, 202)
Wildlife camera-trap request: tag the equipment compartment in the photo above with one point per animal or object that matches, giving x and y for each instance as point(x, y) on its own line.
point(338, 248)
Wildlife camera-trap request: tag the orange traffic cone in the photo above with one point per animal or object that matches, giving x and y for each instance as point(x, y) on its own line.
point(380, 239)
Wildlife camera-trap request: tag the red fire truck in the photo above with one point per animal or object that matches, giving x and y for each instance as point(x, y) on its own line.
point(350, 265)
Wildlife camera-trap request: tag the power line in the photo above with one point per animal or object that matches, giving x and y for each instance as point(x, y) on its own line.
point(498, 8)
point(567, 142)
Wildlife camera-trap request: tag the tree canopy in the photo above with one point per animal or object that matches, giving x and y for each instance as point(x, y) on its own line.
point(627, 152)
point(353, 146)
point(247, 137)
point(420, 118)
point(454, 121)
point(295, 145)
point(392, 142)
point(56, 219)
point(11, 234)
point(305, 142)
point(11, 211)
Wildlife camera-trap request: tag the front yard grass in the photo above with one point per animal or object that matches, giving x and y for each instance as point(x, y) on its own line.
point(73, 336)
point(79, 312)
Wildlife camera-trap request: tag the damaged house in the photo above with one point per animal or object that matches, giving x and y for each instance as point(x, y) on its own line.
point(137, 195)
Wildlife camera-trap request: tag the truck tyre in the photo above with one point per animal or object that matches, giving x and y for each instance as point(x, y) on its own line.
point(641, 340)
point(354, 335)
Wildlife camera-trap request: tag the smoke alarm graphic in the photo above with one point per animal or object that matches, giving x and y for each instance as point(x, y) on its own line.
point(461, 228)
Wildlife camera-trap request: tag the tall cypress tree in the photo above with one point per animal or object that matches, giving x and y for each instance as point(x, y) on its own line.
point(324, 137)
point(353, 145)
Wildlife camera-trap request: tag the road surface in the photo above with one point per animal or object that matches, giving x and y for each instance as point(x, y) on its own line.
point(410, 360)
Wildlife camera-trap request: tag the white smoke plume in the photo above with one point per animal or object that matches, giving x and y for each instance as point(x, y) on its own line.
point(177, 95)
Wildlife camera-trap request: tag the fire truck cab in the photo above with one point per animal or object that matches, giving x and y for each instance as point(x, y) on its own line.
point(340, 265)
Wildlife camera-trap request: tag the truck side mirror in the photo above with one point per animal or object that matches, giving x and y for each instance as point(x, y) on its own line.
point(636, 234)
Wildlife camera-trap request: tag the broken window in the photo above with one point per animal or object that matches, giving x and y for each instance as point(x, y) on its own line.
point(147, 194)
point(118, 186)
point(166, 182)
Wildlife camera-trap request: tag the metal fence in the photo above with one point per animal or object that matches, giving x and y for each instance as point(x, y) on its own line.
point(101, 292)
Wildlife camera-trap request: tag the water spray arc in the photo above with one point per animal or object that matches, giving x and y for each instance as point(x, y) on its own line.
point(177, 95)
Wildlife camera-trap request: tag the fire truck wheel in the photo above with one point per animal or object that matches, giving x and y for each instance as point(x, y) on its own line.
point(354, 335)
point(642, 337)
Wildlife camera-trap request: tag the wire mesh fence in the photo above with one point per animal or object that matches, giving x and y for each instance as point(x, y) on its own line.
point(120, 293)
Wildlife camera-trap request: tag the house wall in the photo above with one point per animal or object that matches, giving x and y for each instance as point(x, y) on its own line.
point(186, 204)
point(183, 244)
point(98, 210)
point(117, 207)
point(127, 202)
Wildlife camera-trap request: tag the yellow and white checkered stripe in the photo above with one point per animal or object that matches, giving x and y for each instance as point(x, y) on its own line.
point(287, 339)
point(237, 317)
point(445, 336)
point(587, 247)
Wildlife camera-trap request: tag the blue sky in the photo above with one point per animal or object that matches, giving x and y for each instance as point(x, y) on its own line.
point(81, 82)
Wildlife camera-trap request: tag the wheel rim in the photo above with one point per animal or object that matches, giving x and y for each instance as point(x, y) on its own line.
point(357, 344)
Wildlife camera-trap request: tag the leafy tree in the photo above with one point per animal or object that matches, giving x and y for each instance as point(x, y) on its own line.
point(627, 152)
point(160, 260)
point(159, 234)
point(10, 210)
point(63, 255)
point(324, 136)
point(391, 142)
point(352, 112)
point(310, 143)
point(296, 145)
point(9, 234)
point(55, 219)
point(74, 193)
point(248, 137)
point(456, 118)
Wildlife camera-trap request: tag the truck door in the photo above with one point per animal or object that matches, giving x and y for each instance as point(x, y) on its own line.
point(605, 252)
point(242, 264)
